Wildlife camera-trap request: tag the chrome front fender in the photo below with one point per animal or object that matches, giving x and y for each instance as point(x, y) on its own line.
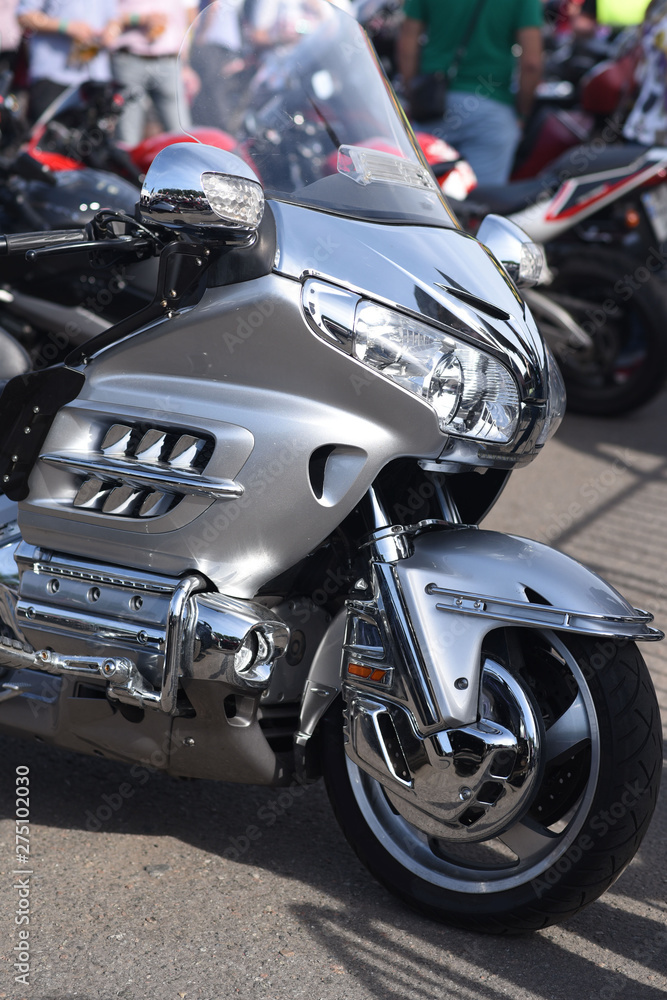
point(454, 588)
point(459, 585)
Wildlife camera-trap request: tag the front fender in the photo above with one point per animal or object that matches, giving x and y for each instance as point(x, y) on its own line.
point(459, 585)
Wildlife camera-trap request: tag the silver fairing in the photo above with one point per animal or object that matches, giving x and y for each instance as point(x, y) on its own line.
point(441, 274)
point(288, 432)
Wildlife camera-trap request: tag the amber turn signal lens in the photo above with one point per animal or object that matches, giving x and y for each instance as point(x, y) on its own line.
point(367, 673)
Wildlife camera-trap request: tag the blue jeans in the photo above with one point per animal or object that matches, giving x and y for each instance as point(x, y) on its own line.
point(154, 79)
point(485, 132)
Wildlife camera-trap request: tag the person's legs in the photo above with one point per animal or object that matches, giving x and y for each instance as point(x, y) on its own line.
point(129, 71)
point(485, 132)
point(163, 81)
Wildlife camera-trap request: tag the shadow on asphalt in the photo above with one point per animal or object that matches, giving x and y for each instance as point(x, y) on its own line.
point(385, 946)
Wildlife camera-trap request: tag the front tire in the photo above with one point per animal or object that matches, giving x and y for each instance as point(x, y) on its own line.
point(599, 779)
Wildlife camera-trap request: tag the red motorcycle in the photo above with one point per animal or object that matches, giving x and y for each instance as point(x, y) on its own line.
point(77, 131)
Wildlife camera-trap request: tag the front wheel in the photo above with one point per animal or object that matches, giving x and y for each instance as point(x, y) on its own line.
point(598, 770)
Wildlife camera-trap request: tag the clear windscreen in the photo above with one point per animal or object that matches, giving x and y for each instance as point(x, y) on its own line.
point(297, 87)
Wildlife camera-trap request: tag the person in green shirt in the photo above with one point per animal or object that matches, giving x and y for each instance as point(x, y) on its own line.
point(487, 99)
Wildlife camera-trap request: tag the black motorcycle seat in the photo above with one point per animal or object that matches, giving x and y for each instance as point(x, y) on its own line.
point(504, 199)
point(14, 360)
point(591, 158)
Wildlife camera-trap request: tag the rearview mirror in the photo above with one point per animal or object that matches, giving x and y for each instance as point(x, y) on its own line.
point(522, 259)
point(189, 185)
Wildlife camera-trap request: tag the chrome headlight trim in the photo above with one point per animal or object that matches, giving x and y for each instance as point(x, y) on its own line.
point(556, 399)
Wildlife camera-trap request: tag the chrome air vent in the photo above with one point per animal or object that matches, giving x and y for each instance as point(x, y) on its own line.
point(142, 472)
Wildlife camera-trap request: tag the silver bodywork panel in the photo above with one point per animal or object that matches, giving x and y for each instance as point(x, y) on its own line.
point(244, 369)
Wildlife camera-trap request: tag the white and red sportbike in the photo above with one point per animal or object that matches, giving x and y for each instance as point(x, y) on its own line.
point(600, 210)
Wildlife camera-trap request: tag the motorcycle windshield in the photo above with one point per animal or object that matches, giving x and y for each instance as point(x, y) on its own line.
point(297, 85)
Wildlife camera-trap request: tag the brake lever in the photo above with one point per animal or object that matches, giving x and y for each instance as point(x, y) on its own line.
point(124, 244)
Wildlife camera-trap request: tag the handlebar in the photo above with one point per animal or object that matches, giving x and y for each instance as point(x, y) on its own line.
point(22, 243)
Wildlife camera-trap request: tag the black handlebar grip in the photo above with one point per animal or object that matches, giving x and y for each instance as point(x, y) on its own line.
point(21, 243)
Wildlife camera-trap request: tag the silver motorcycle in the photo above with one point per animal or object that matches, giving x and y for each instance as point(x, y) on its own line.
point(246, 543)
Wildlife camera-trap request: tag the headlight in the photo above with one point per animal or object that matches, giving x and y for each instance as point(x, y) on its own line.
point(472, 393)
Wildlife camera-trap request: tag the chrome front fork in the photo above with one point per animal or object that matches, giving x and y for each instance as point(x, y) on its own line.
point(449, 732)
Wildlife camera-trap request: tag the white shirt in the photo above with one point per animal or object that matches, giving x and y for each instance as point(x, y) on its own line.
point(647, 122)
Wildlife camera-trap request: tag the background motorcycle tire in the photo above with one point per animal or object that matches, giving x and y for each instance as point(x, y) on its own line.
point(623, 305)
point(602, 797)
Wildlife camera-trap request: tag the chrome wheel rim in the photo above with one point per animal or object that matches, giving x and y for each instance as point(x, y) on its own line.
point(529, 847)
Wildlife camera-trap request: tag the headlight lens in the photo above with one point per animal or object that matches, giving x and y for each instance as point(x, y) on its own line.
point(473, 394)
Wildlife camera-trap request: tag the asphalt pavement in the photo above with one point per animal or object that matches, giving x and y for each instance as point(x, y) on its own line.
point(151, 888)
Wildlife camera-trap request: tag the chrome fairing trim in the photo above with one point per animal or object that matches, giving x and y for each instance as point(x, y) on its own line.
point(140, 474)
point(34, 616)
point(58, 565)
point(542, 616)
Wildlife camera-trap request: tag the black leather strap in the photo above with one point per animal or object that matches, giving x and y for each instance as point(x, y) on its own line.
point(453, 70)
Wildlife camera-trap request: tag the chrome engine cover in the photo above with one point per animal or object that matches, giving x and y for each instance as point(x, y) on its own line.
point(161, 627)
point(139, 667)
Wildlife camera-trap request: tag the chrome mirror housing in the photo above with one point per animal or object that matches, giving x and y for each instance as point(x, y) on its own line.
point(522, 259)
point(189, 185)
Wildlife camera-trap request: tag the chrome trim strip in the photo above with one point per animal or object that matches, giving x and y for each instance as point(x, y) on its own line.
point(40, 561)
point(475, 301)
point(138, 474)
point(33, 614)
point(544, 615)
